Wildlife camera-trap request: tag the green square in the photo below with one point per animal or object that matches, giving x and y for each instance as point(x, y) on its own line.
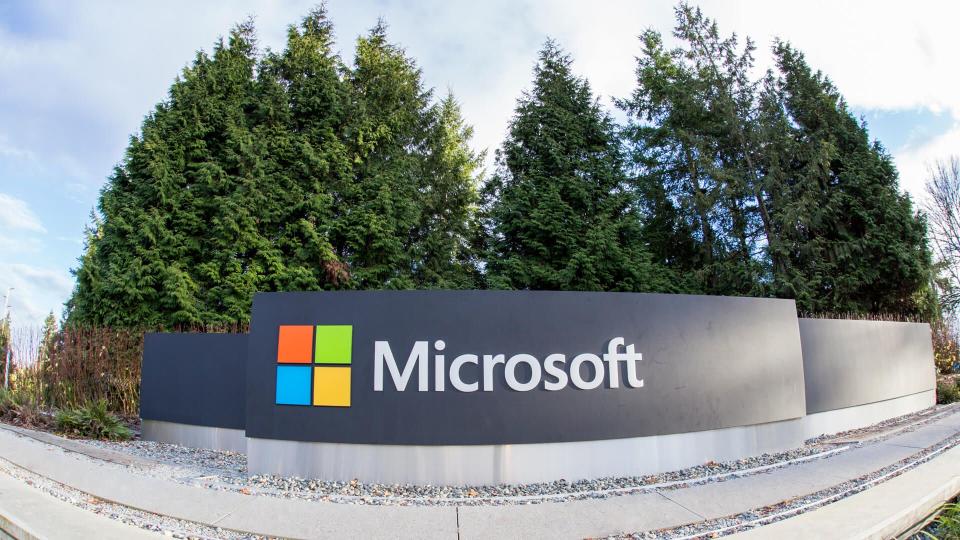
point(334, 344)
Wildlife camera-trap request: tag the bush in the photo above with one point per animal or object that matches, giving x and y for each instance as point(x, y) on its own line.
point(948, 390)
point(946, 350)
point(22, 409)
point(947, 525)
point(82, 365)
point(92, 420)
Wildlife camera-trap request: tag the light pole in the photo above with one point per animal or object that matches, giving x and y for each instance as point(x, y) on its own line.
point(6, 318)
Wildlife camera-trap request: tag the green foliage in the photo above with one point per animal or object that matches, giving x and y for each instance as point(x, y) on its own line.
point(290, 170)
point(560, 215)
point(92, 420)
point(692, 142)
point(768, 187)
point(281, 171)
point(22, 408)
point(947, 524)
point(849, 240)
point(948, 390)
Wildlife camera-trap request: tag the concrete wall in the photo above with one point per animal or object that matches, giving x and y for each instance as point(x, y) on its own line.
point(857, 373)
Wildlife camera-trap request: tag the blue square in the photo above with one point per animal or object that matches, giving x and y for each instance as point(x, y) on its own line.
point(293, 385)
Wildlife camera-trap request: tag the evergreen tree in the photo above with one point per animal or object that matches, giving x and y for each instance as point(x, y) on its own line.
point(692, 146)
point(378, 216)
point(560, 215)
point(767, 187)
point(301, 112)
point(175, 227)
point(48, 337)
point(449, 199)
point(282, 171)
point(850, 240)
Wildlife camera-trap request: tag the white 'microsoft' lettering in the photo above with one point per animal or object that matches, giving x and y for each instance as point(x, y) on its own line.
point(551, 372)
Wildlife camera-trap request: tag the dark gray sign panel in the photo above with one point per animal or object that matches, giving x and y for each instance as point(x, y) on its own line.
point(849, 363)
point(197, 379)
point(707, 363)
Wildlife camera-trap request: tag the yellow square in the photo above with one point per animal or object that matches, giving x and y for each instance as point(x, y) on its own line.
point(331, 386)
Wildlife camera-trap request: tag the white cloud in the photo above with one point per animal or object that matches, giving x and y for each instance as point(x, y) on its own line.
point(888, 55)
point(19, 245)
point(36, 291)
point(914, 161)
point(16, 214)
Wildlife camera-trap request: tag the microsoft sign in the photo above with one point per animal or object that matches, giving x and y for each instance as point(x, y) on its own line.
point(514, 367)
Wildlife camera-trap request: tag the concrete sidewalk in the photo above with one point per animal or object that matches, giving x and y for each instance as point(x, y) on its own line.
point(880, 512)
point(27, 513)
point(271, 516)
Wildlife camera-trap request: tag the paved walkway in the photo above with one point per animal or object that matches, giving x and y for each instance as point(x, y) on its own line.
point(271, 516)
point(27, 513)
point(880, 512)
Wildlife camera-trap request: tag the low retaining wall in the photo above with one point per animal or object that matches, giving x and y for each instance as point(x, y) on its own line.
point(519, 463)
point(483, 387)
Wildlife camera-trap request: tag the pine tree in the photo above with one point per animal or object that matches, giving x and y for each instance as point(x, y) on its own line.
point(170, 248)
point(560, 215)
point(48, 337)
point(302, 107)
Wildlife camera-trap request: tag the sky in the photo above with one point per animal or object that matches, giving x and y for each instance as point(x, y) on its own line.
point(77, 79)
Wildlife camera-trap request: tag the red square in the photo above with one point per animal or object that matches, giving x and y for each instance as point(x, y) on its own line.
point(295, 345)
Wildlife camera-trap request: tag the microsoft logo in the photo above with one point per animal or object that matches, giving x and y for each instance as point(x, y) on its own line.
point(325, 379)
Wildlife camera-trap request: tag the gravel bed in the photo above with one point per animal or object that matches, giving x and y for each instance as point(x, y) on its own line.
point(194, 462)
point(227, 471)
point(222, 470)
point(911, 421)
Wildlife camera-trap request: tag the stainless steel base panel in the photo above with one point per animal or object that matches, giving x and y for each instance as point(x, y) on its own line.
point(517, 463)
point(213, 438)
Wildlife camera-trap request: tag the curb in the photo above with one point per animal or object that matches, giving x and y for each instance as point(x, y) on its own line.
point(15, 528)
point(916, 516)
point(853, 518)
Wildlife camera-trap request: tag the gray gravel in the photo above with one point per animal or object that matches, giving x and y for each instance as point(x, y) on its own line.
point(227, 471)
point(223, 470)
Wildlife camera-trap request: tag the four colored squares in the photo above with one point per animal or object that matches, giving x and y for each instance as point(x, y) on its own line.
point(313, 365)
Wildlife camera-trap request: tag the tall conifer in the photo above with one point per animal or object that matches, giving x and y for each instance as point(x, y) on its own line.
point(560, 215)
point(850, 239)
point(282, 171)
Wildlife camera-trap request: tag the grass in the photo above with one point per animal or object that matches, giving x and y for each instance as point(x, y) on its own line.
point(92, 420)
point(947, 524)
point(22, 409)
